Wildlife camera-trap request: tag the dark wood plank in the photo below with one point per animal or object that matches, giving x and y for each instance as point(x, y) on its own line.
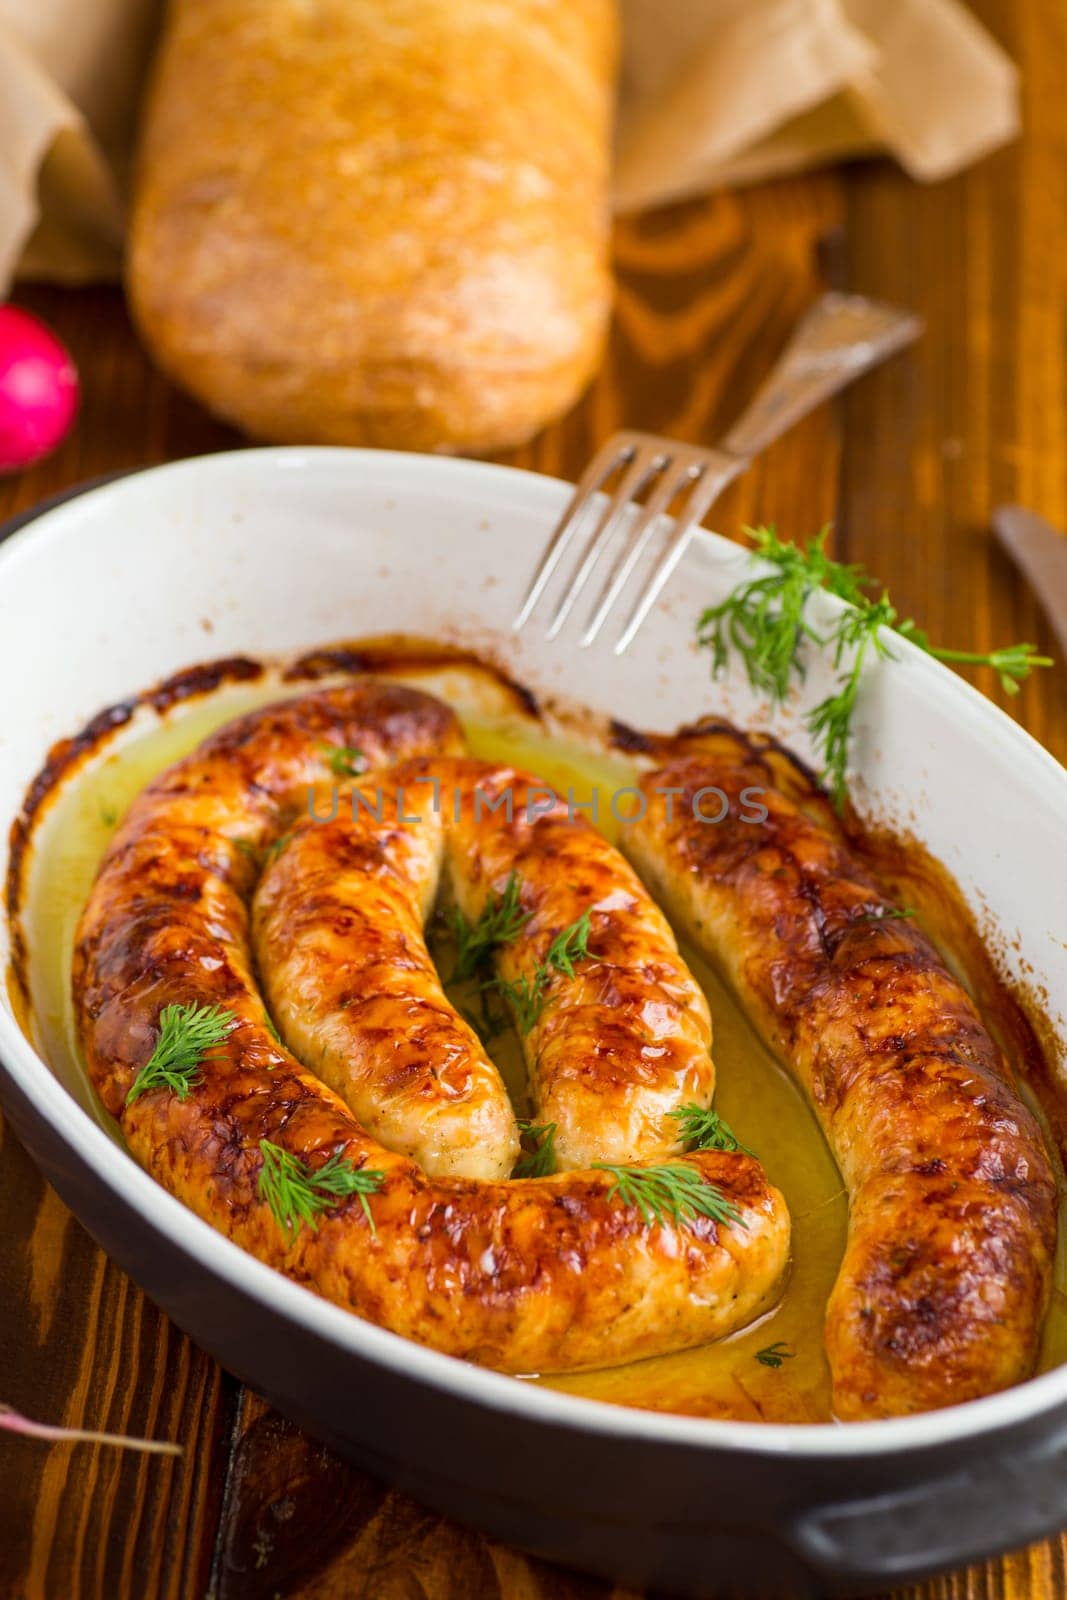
point(978, 416)
point(302, 1523)
point(82, 1347)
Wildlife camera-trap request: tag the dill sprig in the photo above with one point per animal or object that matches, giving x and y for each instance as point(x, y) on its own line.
point(775, 1354)
point(272, 1029)
point(188, 1034)
point(501, 921)
point(884, 914)
point(701, 1128)
point(297, 1194)
point(275, 848)
point(539, 1159)
point(528, 993)
point(764, 621)
point(764, 618)
point(526, 996)
point(570, 946)
point(672, 1190)
point(343, 760)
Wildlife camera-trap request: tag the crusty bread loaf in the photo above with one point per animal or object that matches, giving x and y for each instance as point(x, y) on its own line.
point(378, 222)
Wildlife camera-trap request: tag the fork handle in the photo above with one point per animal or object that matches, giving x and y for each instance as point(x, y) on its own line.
point(839, 338)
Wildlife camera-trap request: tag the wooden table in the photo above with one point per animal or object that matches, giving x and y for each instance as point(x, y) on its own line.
point(907, 468)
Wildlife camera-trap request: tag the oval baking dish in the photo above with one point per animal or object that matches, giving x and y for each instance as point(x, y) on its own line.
point(269, 553)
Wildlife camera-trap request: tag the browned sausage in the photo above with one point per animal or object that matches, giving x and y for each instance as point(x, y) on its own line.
point(544, 1274)
point(952, 1221)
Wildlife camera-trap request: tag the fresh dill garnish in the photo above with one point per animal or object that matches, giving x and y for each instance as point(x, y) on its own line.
point(701, 1128)
point(885, 914)
point(775, 1354)
point(272, 1029)
point(570, 946)
point(275, 848)
point(188, 1034)
point(527, 993)
point(539, 1160)
point(673, 1190)
point(296, 1194)
point(343, 761)
point(246, 848)
point(501, 921)
point(764, 621)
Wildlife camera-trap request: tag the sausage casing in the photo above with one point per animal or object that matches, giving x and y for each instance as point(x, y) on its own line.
point(952, 1221)
point(547, 1274)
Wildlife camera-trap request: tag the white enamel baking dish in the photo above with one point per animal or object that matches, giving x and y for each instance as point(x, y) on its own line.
point(277, 551)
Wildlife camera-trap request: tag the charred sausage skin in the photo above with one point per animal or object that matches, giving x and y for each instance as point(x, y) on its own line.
point(952, 1221)
point(538, 1275)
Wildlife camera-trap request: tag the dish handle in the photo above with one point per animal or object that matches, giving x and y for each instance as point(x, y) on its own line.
point(1004, 1500)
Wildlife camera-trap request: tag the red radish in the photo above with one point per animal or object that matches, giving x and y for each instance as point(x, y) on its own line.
point(38, 389)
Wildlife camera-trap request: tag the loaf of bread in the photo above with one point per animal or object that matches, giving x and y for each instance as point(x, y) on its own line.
point(378, 222)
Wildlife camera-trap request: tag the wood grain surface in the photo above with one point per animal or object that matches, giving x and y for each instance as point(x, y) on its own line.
point(908, 468)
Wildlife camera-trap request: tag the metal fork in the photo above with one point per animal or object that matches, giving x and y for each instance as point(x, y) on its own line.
point(841, 337)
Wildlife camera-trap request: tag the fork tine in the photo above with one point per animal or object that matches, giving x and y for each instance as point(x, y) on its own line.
point(700, 498)
point(643, 464)
point(669, 485)
point(608, 456)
